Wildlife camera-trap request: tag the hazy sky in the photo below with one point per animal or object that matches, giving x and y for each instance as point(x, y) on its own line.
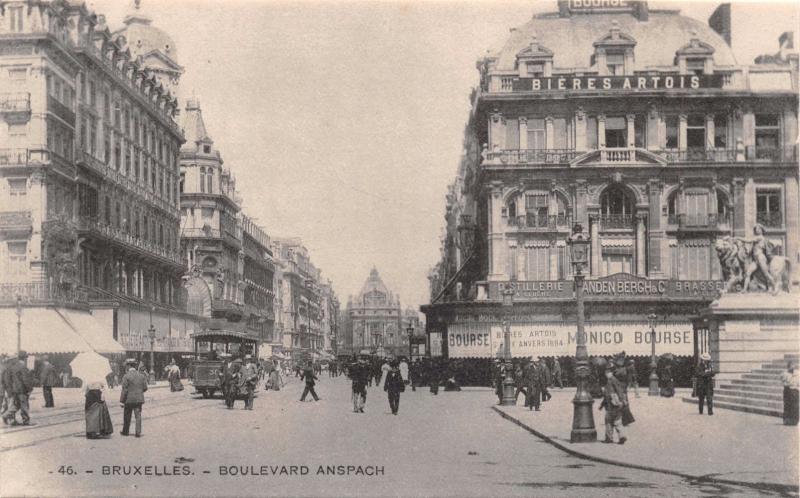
point(343, 121)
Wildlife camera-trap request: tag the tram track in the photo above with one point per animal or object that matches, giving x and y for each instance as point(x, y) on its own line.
point(78, 416)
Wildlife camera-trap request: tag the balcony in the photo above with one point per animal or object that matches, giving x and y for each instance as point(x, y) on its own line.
point(701, 155)
point(15, 221)
point(618, 155)
point(201, 233)
point(61, 110)
point(786, 154)
point(93, 225)
point(617, 221)
point(15, 107)
point(770, 220)
point(13, 157)
point(40, 293)
point(531, 156)
point(549, 222)
point(700, 222)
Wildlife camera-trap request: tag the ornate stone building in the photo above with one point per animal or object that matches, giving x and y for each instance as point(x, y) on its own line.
point(89, 167)
point(657, 145)
point(375, 319)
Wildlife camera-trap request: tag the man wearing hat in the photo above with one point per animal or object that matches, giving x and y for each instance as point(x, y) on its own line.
point(704, 375)
point(533, 383)
point(48, 378)
point(247, 381)
point(134, 384)
point(309, 377)
point(614, 399)
point(21, 384)
point(394, 386)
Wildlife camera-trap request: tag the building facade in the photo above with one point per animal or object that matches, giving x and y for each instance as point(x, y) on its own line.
point(375, 319)
point(89, 166)
point(657, 146)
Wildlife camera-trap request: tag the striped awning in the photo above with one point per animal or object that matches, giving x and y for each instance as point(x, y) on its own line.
point(42, 330)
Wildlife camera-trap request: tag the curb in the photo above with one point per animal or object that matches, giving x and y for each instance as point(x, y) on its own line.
point(777, 487)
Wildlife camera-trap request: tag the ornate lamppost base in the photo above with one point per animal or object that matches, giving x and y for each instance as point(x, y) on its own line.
point(583, 429)
point(654, 390)
point(508, 393)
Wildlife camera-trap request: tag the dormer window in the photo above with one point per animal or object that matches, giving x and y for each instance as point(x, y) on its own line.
point(206, 149)
point(695, 66)
point(535, 60)
point(535, 70)
point(613, 55)
point(696, 57)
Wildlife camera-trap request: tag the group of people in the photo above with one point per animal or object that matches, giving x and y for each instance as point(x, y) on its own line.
point(239, 376)
point(391, 379)
point(531, 376)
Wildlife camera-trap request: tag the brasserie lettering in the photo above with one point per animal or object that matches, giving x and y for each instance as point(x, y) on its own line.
point(617, 83)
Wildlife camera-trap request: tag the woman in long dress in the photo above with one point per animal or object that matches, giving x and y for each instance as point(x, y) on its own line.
point(275, 380)
point(174, 376)
point(98, 420)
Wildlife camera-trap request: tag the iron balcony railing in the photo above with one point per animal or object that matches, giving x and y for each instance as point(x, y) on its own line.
point(210, 233)
point(14, 157)
point(540, 221)
point(40, 292)
point(15, 102)
point(532, 156)
point(774, 154)
point(95, 225)
point(721, 155)
point(770, 220)
point(616, 221)
point(699, 221)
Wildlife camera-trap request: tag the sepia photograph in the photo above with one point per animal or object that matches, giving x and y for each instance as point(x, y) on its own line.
point(399, 248)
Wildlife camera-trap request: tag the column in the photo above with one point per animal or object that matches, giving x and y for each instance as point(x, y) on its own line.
point(497, 129)
point(553, 253)
point(682, 132)
point(594, 224)
point(641, 269)
point(709, 132)
point(654, 233)
point(749, 128)
point(523, 132)
point(496, 236)
point(580, 129)
point(738, 207)
point(630, 120)
point(549, 133)
point(792, 224)
point(653, 129)
point(581, 199)
point(601, 131)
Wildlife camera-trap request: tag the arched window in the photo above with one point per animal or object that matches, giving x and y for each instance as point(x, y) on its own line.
point(616, 201)
point(202, 179)
point(564, 215)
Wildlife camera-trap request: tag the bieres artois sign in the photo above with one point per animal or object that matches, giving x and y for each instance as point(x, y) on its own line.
point(686, 82)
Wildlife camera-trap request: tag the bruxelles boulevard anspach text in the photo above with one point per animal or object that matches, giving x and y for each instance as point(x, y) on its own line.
point(245, 470)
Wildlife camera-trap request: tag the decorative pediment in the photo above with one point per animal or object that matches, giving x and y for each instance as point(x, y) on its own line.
point(534, 51)
point(695, 48)
point(157, 60)
point(615, 38)
point(617, 157)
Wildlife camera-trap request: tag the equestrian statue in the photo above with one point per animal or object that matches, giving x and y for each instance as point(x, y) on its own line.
point(749, 264)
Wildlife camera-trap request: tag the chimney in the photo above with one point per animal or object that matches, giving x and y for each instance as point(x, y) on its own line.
point(720, 21)
point(641, 11)
point(563, 8)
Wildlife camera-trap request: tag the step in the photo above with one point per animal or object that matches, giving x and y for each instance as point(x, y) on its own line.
point(741, 408)
point(758, 389)
point(755, 376)
point(753, 382)
point(771, 369)
point(748, 394)
point(741, 400)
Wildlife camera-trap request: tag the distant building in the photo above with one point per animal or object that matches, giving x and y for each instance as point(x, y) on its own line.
point(375, 319)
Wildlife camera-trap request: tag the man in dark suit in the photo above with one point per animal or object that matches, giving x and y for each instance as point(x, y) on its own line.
point(48, 378)
point(134, 384)
point(21, 384)
point(309, 377)
point(230, 381)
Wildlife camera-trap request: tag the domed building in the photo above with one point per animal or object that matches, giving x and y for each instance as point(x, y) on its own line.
point(639, 128)
point(374, 320)
point(153, 47)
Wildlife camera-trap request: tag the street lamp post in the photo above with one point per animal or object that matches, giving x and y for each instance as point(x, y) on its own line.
point(651, 321)
point(410, 331)
point(152, 333)
point(508, 382)
point(583, 429)
point(19, 324)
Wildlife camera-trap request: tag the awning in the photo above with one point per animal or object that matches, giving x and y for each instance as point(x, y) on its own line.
point(96, 328)
point(44, 330)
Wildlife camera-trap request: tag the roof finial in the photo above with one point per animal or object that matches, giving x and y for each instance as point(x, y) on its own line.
point(137, 4)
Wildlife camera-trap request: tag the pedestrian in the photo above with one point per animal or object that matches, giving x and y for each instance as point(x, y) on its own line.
point(48, 379)
point(404, 371)
point(519, 383)
point(359, 373)
point(631, 379)
point(230, 371)
point(394, 385)
point(704, 383)
point(5, 383)
point(21, 385)
point(791, 383)
point(533, 385)
point(384, 372)
point(134, 385)
point(667, 382)
point(98, 418)
point(276, 379)
point(613, 402)
point(557, 374)
point(435, 379)
point(248, 379)
point(546, 379)
point(309, 377)
point(174, 376)
point(499, 376)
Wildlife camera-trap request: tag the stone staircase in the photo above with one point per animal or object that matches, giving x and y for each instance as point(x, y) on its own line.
point(759, 391)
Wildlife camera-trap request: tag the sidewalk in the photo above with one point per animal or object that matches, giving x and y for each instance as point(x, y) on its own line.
point(670, 436)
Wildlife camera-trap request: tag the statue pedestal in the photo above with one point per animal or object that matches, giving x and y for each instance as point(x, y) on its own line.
point(750, 329)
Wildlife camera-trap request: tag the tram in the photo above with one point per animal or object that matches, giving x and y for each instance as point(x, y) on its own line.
point(209, 348)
